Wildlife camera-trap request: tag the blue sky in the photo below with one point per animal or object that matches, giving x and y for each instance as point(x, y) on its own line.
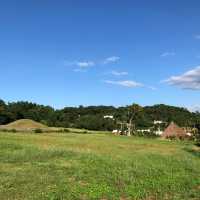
point(74, 52)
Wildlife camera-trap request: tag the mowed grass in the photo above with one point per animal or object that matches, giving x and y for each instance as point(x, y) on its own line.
point(71, 166)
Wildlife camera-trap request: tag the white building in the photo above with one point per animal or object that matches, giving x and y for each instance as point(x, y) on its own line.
point(108, 117)
point(157, 122)
point(143, 130)
point(158, 132)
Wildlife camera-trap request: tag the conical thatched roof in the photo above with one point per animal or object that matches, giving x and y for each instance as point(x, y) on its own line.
point(174, 131)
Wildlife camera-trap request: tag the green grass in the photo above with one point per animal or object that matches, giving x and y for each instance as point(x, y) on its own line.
point(71, 166)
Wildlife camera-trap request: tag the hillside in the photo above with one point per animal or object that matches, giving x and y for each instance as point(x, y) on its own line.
point(92, 117)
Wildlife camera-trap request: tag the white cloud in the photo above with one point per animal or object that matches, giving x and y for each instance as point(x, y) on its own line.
point(197, 37)
point(117, 73)
point(152, 88)
point(85, 64)
point(125, 83)
point(111, 59)
point(188, 80)
point(166, 54)
point(81, 64)
point(89, 63)
point(129, 84)
point(194, 108)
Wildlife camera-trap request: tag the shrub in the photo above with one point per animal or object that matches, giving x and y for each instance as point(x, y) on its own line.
point(8, 130)
point(197, 143)
point(65, 130)
point(145, 134)
point(4, 130)
point(85, 132)
point(13, 130)
point(171, 137)
point(38, 130)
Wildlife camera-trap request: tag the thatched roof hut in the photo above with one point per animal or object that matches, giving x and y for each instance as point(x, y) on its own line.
point(174, 131)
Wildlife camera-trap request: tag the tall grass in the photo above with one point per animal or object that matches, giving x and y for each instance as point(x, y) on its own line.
point(86, 166)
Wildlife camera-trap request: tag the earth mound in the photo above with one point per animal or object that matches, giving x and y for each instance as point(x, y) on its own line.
point(24, 124)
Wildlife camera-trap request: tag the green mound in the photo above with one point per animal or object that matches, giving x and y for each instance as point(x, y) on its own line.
point(24, 124)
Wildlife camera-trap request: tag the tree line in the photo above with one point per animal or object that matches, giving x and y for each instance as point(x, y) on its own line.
point(92, 117)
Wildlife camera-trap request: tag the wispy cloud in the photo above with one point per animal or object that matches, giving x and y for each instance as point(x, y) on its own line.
point(129, 84)
point(125, 83)
point(111, 59)
point(188, 80)
point(197, 37)
point(152, 88)
point(167, 54)
point(88, 63)
point(85, 64)
point(80, 70)
point(80, 66)
point(118, 73)
point(194, 108)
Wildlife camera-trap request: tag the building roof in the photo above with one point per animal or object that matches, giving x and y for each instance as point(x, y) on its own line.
point(174, 131)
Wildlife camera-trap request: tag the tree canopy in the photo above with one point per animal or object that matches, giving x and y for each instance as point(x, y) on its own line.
point(92, 117)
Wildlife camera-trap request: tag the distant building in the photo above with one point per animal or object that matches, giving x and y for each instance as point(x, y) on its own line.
point(116, 132)
point(157, 122)
point(158, 132)
point(108, 117)
point(143, 130)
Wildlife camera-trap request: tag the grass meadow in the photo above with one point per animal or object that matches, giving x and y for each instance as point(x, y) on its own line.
point(71, 166)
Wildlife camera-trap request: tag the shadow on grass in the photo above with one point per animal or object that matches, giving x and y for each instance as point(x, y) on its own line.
point(195, 151)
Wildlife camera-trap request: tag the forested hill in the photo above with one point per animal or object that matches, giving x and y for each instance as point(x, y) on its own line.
point(92, 117)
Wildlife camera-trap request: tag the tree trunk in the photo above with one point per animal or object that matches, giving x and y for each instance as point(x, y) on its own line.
point(129, 127)
point(129, 130)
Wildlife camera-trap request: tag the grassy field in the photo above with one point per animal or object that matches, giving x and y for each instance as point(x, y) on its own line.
point(70, 166)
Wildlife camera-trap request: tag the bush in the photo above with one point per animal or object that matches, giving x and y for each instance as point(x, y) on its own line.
point(197, 143)
point(13, 130)
point(65, 130)
point(4, 130)
point(85, 132)
point(171, 137)
point(145, 134)
point(8, 130)
point(197, 140)
point(38, 130)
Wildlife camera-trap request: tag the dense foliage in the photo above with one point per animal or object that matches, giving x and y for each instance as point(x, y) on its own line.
point(92, 117)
